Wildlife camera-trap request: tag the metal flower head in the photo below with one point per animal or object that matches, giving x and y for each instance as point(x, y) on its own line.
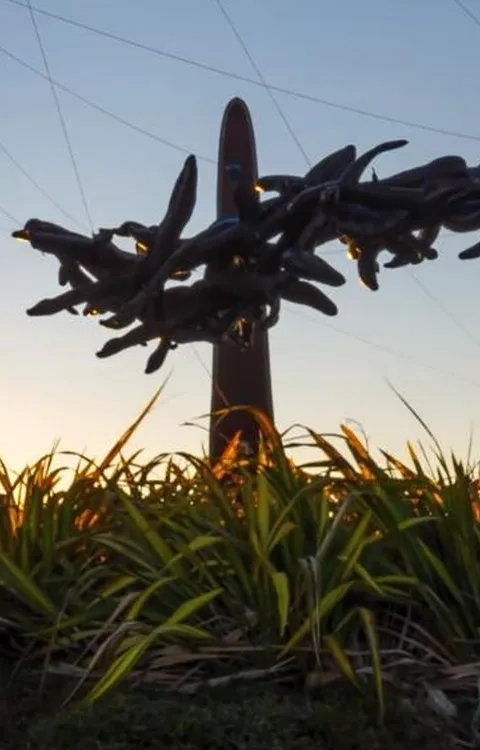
point(267, 254)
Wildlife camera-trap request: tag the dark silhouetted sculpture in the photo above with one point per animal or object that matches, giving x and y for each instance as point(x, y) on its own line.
point(240, 376)
point(265, 256)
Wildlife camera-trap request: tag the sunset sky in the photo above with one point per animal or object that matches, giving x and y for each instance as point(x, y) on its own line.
point(413, 61)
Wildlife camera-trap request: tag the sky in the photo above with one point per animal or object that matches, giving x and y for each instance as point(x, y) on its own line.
point(412, 61)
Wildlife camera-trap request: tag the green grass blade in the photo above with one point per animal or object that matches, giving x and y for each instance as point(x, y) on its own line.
point(282, 588)
point(23, 586)
point(368, 621)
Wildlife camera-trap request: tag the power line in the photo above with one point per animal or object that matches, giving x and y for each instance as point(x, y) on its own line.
point(245, 79)
point(9, 216)
point(103, 110)
point(468, 12)
point(459, 323)
point(453, 318)
point(209, 375)
point(106, 112)
point(27, 175)
point(61, 117)
point(386, 349)
point(270, 89)
point(262, 80)
point(432, 297)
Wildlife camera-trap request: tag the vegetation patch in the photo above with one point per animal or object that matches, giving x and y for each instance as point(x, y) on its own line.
point(187, 578)
point(265, 718)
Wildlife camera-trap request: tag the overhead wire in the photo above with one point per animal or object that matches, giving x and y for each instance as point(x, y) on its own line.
point(61, 117)
point(261, 78)
point(9, 215)
point(110, 114)
point(473, 17)
point(476, 20)
point(176, 147)
point(387, 349)
point(430, 295)
point(123, 121)
point(8, 154)
point(444, 309)
point(282, 116)
point(104, 110)
point(245, 79)
point(209, 374)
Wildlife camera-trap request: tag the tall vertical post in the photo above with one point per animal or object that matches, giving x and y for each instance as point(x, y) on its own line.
point(239, 378)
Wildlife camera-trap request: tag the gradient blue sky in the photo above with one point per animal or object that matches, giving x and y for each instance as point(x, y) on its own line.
point(414, 60)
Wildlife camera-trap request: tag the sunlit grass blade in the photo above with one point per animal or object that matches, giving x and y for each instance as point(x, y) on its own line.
point(282, 588)
point(145, 528)
point(116, 449)
point(22, 586)
point(368, 621)
point(338, 462)
point(369, 469)
point(322, 608)
point(341, 659)
point(121, 667)
point(136, 608)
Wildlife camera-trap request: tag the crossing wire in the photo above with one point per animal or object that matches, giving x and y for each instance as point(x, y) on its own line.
point(473, 17)
point(9, 216)
point(60, 114)
point(103, 110)
point(153, 136)
point(262, 80)
point(245, 79)
point(383, 347)
point(424, 289)
point(8, 154)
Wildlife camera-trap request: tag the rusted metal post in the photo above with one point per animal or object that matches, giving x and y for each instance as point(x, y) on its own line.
point(239, 378)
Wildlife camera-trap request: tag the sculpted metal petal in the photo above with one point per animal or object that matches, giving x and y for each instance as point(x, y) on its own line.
point(249, 264)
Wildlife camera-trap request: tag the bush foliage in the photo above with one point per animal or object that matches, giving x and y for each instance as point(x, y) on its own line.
point(192, 577)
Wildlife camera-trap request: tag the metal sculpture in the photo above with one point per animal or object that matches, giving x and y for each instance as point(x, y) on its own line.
point(240, 377)
point(263, 256)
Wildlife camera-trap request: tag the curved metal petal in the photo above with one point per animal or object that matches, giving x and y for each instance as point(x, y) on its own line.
point(470, 253)
point(158, 357)
point(367, 268)
point(312, 267)
point(304, 293)
point(354, 171)
point(444, 168)
point(331, 167)
point(136, 337)
point(179, 212)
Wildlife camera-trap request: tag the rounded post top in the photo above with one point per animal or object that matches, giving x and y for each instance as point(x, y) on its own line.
point(236, 146)
point(236, 101)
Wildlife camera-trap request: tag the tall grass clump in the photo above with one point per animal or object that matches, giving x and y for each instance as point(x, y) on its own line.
point(191, 575)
